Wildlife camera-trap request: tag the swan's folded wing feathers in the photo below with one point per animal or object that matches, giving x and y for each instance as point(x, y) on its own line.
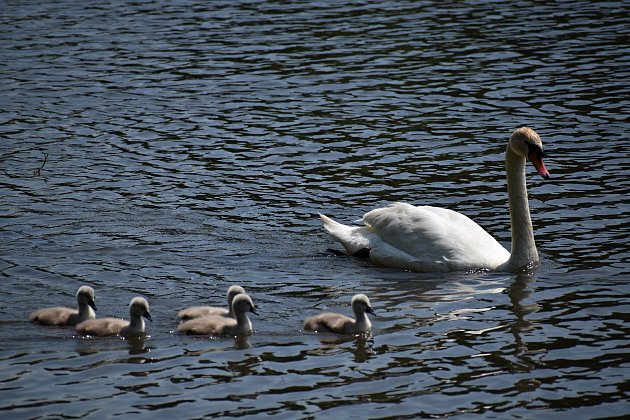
point(389, 256)
point(327, 321)
point(410, 229)
point(57, 316)
point(338, 323)
point(208, 325)
point(102, 326)
point(432, 236)
point(201, 311)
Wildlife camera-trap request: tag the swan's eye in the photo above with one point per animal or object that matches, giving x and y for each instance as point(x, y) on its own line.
point(534, 148)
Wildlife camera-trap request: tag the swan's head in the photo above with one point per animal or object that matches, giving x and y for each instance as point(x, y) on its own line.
point(526, 142)
point(232, 292)
point(361, 304)
point(85, 296)
point(140, 307)
point(242, 303)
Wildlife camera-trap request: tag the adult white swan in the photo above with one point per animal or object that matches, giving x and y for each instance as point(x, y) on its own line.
point(426, 238)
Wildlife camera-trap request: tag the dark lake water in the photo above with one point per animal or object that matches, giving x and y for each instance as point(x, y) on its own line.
point(169, 149)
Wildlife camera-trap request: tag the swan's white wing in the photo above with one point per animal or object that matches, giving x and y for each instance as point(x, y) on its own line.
point(430, 239)
point(420, 238)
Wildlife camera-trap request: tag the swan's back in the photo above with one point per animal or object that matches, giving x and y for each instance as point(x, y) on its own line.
point(201, 311)
point(422, 238)
point(102, 327)
point(329, 322)
point(210, 325)
point(58, 316)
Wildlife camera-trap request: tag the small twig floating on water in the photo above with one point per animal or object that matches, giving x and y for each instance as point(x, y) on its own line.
point(38, 171)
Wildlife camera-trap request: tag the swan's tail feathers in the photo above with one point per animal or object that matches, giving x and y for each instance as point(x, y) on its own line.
point(335, 229)
point(330, 225)
point(353, 238)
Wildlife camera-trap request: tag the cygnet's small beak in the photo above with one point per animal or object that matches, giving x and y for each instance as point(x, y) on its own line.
point(92, 304)
point(253, 310)
point(147, 315)
point(369, 310)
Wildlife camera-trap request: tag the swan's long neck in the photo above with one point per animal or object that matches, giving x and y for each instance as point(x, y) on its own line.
point(85, 311)
point(362, 321)
point(523, 245)
point(136, 323)
point(243, 322)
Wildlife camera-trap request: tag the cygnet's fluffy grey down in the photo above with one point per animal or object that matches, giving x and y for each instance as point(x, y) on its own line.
point(138, 308)
point(60, 316)
point(199, 311)
point(219, 325)
point(341, 324)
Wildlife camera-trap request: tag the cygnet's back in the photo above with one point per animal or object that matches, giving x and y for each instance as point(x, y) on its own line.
point(218, 325)
point(199, 311)
point(341, 324)
point(62, 316)
point(138, 308)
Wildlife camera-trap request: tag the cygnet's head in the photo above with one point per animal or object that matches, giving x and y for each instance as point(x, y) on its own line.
point(526, 143)
point(85, 296)
point(233, 291)
point(140, 307)
point(242, 304)
point(361, 304)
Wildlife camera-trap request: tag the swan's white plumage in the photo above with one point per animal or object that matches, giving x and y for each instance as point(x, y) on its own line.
point(425, 238)
point(420, 238)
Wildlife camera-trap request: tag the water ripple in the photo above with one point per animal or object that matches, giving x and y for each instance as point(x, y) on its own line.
point(170, 149)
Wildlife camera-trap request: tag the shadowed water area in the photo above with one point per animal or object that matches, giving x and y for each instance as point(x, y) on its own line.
point(170, 149)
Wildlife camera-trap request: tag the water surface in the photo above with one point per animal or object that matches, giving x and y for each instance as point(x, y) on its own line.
point(171, 149)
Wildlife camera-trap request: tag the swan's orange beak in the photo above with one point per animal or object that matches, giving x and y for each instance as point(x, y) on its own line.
point(537, 159)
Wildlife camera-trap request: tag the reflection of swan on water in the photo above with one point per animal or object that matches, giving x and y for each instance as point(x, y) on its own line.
point(136, 345)
point(426, 238)
point(520, 295)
